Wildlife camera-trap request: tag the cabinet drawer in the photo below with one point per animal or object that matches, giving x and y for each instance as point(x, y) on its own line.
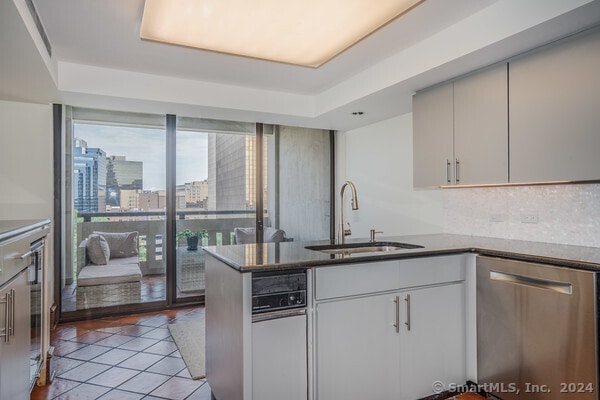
point(364, 278)
point(12, 263)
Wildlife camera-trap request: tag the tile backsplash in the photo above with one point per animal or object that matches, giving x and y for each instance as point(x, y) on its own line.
point(567, 214)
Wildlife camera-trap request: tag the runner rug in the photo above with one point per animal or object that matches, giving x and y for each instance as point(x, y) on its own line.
point(189, 338)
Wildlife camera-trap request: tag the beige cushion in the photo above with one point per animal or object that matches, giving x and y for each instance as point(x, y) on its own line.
point(97, 249)
point(248, 235)
point(116, 271)
point(121, 244)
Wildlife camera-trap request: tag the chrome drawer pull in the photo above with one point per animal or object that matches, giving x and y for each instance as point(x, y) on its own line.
point(407, 323)
point(397, 324)
point(12, 312)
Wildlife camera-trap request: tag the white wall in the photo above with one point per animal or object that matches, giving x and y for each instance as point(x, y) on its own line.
point(378, 159)
point(26, 167)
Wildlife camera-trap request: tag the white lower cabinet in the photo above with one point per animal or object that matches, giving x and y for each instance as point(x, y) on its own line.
point(392, 345)
point(357, 349)
point(279, 359)
point(434, 349)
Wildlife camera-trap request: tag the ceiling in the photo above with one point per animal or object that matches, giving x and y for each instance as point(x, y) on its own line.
point(99, 60)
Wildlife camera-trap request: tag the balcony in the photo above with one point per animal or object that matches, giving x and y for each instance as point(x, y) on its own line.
point(152, 254)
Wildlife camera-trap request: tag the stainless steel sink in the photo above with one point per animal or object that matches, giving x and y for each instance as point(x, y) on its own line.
point(363, 247)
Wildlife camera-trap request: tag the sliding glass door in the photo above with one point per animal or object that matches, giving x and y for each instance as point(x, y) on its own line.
point(157, 188)
point(215, 192)
point(116, 190)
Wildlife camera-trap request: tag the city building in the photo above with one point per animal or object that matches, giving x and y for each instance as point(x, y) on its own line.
point(195, 194)
point(89, 178)
point(129, 200)
point(231, 177)
point(122, 174)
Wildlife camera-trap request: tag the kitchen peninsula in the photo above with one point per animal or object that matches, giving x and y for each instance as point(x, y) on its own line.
point(387, 324)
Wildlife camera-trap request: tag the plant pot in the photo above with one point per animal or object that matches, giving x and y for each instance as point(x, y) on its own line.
point(192, 243)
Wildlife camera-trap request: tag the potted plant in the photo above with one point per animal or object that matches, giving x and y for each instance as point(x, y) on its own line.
point(192, 237)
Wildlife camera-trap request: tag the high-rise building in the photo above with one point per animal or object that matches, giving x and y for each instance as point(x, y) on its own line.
point(122, 175)
point(195, 193)
point(89, 178)
point(231, 177)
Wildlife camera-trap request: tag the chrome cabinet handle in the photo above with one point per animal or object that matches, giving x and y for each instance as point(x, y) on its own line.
point(448, 163)
point(6, 303)
point(407, 323)
point(456, 172)
point(12, 312)
point(397, 324)
point(24, 256)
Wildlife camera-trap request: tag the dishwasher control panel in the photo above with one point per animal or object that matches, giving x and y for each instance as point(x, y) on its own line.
point(278, 290)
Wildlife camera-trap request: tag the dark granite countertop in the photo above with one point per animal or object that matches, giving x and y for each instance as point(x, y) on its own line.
point(289, 255)
point(12, 228)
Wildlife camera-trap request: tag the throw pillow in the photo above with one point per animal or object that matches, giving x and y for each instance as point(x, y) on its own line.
point(122, 244)
point(248, 235)
point(98, 250)
point(272, 235)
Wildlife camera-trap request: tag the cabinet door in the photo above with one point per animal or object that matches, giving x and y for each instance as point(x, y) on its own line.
point(14, 353)
point(357, 349)
point(279, 359)
point(481, 127)
point(555, 113)
point(433, 140)
point(434, 348)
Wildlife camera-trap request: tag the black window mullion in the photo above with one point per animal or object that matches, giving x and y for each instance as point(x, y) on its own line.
point(171, 212)
point(258, 171)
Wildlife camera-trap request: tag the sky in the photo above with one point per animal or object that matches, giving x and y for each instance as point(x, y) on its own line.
point(149, 146)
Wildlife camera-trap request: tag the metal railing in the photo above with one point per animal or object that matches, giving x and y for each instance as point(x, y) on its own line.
point(87, 217)
point(152, 230)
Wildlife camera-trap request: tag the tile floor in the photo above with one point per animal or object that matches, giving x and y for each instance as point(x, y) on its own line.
point(127, 358)
point(122, 358)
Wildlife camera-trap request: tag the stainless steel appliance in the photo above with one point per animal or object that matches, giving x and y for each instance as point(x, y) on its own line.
point(536, 331)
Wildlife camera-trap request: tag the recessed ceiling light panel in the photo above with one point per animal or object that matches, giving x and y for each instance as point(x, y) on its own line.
point(307, 32)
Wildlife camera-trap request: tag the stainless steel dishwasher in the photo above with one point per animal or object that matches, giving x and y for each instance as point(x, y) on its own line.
point(536, 331)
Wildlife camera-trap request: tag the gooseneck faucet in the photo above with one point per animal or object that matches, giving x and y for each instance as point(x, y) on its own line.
point(343, 232)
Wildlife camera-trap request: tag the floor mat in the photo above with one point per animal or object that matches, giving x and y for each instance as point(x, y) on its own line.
point(189, 338)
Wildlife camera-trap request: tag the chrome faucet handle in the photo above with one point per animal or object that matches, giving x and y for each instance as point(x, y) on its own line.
point(348, 232)
point(373, 233)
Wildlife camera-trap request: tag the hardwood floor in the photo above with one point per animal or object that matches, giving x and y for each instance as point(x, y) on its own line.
point(125, 358)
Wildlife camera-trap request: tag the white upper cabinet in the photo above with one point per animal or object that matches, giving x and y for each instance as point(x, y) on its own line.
point(460, 131)
point(481, 127)
point(555, 113)
point(433, 136)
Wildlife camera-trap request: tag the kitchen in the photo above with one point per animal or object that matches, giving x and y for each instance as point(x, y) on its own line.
point(379, 145)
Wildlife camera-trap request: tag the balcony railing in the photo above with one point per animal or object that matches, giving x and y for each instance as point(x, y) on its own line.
point(151, 227)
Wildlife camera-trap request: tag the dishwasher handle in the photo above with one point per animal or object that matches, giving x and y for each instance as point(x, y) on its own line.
point(560, 287)
point(278, 314)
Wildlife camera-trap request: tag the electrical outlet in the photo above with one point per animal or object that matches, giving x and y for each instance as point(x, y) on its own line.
point(530, 219)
